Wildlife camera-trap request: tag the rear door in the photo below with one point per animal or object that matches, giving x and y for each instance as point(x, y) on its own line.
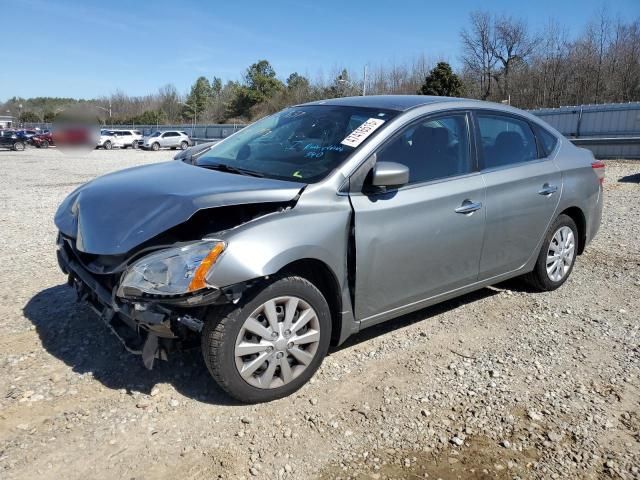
point(417, 241)
point(523, 191)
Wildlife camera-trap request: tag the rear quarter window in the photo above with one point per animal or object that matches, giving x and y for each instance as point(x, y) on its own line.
point(547, 140)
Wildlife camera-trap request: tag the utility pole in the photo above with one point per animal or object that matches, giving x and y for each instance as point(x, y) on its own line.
point(364, 82)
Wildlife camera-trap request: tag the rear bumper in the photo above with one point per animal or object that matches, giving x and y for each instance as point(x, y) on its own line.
point(595, 217)
point(144, 328)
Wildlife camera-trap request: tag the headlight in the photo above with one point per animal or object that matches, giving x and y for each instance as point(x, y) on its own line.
point(173, 271)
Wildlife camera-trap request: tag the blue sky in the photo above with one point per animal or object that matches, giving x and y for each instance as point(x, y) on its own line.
point(89, 48)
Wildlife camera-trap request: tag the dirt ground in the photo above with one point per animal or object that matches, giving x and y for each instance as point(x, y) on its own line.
point(501, 383)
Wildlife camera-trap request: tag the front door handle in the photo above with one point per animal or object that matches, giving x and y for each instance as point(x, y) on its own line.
point(548, 189)
point(468, 207)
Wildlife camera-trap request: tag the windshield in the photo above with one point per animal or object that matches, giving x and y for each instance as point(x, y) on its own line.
point(155, 134)
point(301, 143)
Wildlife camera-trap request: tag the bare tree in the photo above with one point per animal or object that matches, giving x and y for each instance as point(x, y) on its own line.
point(512, 47)
point(478, 46)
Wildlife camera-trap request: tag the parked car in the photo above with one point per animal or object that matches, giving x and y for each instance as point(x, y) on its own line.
point(170, 139)
point(128, 138)
point(26, 134)
point(323, 219)
point(75, 136)
point(42, 140)
point(10, 139)
point(108, 139)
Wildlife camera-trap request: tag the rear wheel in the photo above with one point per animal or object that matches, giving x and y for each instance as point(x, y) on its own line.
point(270, 343)
point(155, 147)
point(107, 145)
point(557, 256)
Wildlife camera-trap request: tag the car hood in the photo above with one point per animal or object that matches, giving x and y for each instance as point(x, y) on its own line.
point(117, 212)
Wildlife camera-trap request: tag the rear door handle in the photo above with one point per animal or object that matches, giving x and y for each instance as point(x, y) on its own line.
point(548, 189)
point(468, 207)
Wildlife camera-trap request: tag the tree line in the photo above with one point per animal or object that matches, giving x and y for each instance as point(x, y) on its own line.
point(501, 60)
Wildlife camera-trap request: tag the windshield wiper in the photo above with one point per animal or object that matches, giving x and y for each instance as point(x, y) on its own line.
point(223, 167)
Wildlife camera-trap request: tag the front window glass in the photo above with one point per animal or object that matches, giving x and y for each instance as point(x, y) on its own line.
point(433, 149)
point(301, 143)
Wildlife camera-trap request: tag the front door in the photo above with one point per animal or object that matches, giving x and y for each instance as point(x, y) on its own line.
point(425, 238)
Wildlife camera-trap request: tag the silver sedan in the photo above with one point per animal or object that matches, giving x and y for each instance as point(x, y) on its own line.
point(321, 220)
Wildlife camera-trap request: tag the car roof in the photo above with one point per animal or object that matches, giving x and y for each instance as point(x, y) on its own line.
point(399, 103)
point(402, 103)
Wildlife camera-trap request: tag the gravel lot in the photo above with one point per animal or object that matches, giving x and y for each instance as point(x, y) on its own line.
point(501, 383)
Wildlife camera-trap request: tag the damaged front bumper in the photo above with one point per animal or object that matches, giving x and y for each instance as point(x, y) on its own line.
point(148, 327)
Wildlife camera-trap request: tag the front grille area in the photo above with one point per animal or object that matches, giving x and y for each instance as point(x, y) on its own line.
point(98, 266)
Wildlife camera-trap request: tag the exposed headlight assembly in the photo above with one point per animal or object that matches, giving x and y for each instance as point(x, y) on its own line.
point(173, 271)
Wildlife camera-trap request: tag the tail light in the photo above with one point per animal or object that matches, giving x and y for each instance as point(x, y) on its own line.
point(599, 169)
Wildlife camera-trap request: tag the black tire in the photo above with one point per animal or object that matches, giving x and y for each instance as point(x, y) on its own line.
point(107, 145)
point(223, 326)
point(134, 145)
point(44, 144)
point(18, 146)
point(155, 147)
point(538, 278)
point(184, 145)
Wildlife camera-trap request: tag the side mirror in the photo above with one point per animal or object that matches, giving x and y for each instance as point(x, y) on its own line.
point(390, 174)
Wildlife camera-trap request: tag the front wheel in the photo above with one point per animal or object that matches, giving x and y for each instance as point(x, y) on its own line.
point(44, 144)
point(155, 147)
point(557, 256)
point(18, 146)
point(108, 145)
point(269, 344)
point(184, 145)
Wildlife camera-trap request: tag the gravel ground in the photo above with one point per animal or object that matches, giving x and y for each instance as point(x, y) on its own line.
point(501, 383)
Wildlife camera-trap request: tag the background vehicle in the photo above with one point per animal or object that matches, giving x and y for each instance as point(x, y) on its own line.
point(170, 139)
point(73, 136)
point(128, 138)
point(108, 139)
point(26, 135)
point(42, 140)
point(324, 219)
point(9, 139)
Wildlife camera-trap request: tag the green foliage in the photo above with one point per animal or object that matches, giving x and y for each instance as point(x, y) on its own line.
point(199, 98)
point(261, 79)
point(260, 86)
point(216, 86)
point(29, 117)
point(342, 86)
point(442, 82)
point(297, 82)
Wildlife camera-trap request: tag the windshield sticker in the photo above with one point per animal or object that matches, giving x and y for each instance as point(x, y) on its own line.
point(361, 133)
point(297, 174)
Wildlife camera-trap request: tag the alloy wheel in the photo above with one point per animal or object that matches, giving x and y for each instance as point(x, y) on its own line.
point(561, 253)
point(277, 342)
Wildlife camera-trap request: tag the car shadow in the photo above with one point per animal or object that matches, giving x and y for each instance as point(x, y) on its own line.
point(414, 317)
point(72, 332)
point(633, 178)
